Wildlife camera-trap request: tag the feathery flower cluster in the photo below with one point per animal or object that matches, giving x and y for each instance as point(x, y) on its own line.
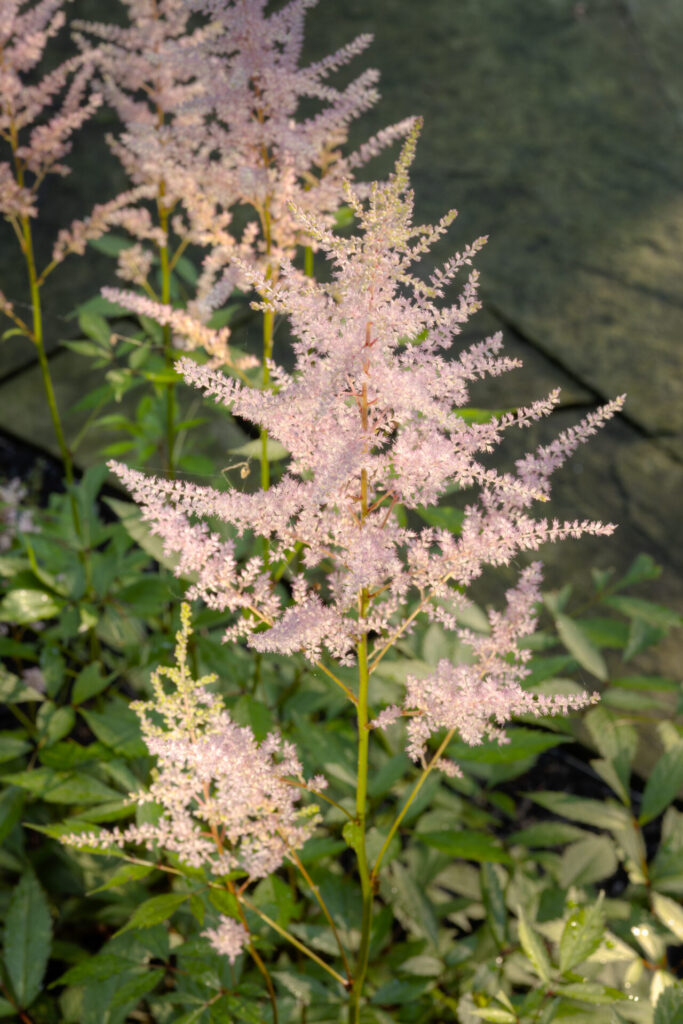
point(479, 697)
point(229, 938)
point(218, 128)
point(370, 416)
point(24, 33)
point(226, 800)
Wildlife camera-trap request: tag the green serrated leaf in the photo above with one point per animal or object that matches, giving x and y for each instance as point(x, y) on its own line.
point(591, 992)
point(13, 691)
point(588, 812)
point(136, 987)
point(469, 845)
point(11, 806)
point(12, 746)
point(54, 723)
point(125, 874)
point(670, 913)
point(669, 1008)
point(654, 614)
point(582, 935)
point(642, 568)
point(578, 644)
point(546, 834)
point(95, 968)
point(411, 906)
point(494, 903)
point(89, 682)
point(494, 1015)
point(62, 787)
point(129, 514)
point(663, 785)
point(588, 861)
point(522, 743)
point(117, 727)
point(25, 606)
point(533, 947)
point(155, 910)
point(28, 937)
point(254, 713)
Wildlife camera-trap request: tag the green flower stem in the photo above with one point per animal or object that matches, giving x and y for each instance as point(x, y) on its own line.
point(404, 810)
point(308, 261)
point(169, 355)
point(349, 693)
point(250, 945)
point(294, 941)
point(38, 340)
point(268, 323)
point(268, 328)
point(323, 907)
point(279, 573)
point(266, 977)
point(361, 809)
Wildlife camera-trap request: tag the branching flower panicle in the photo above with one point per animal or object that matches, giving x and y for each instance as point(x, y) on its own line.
point(370, 416)
point(225, 800)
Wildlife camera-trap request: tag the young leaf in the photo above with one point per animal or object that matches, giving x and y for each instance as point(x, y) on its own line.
point(582, 935)
point(532, 944)
point(125, 874)
point(28, 936)
point(155, 910)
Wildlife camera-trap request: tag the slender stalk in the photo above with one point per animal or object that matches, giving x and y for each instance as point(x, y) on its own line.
point(352, 697)
point(363, 754)
point(169, 356)
point(323, 907)
point(268, 328)
point(255, 956)
point(320, 794)
point(404, 810)
point(38, 340)
point(266, 977)
point(361, 809)
point(308, 261)
point(294, 941)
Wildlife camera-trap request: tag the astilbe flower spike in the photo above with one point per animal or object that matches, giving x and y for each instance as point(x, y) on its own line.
point(370, 416)
point(226, 800)
point(37, 127)
point(211, 122)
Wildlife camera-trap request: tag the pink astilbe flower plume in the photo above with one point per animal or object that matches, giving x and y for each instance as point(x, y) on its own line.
point(371, 417)
point(211, 121)
point(227, 801)
point(37, 119)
